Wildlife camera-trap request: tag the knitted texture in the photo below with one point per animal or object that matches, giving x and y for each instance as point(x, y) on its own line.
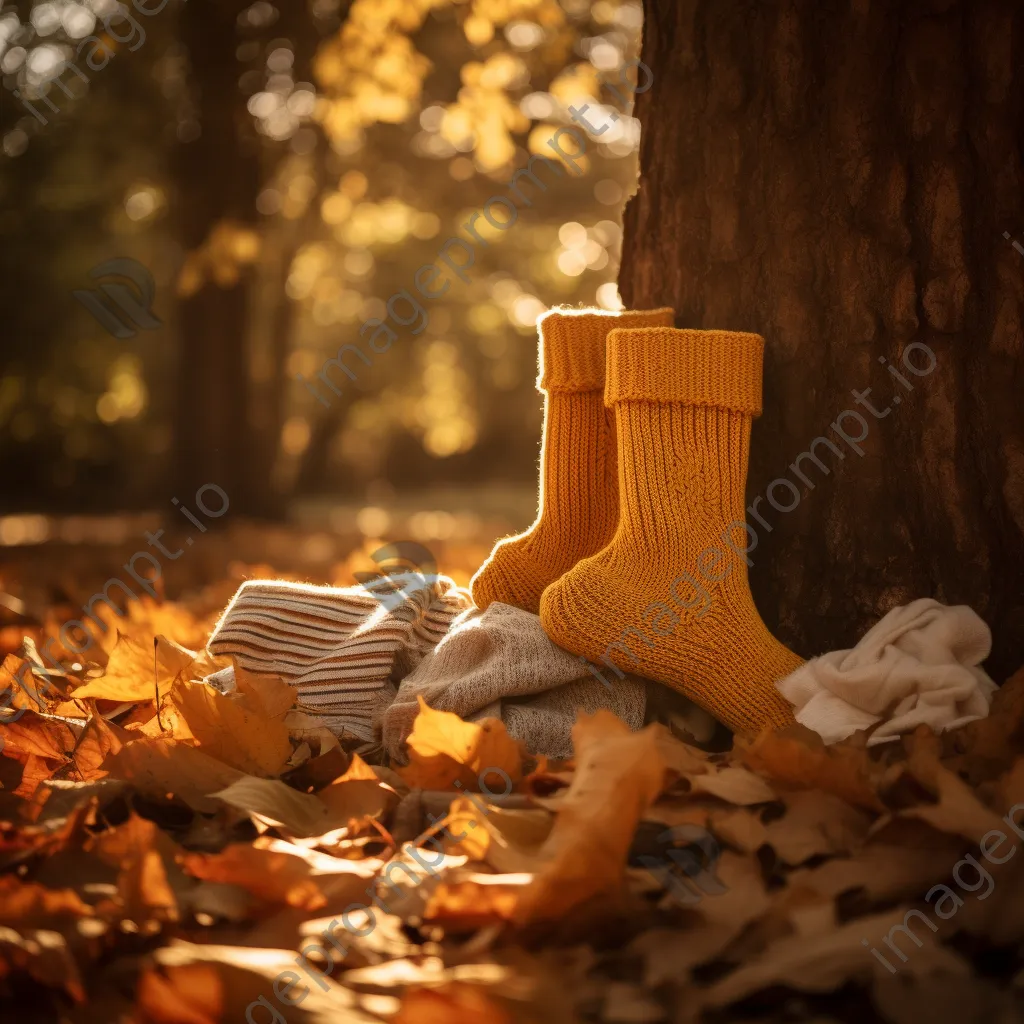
point(500, 663)
point(578, 502)
point(668, 597)
point(340, 647)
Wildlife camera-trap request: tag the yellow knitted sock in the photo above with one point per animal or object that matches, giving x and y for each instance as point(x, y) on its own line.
point(578, 502)
point(668, 597)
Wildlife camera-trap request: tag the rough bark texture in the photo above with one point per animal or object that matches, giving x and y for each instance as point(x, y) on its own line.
point(839, 176)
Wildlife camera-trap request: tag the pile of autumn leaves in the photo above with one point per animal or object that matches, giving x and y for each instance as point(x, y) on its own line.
point(165, 850)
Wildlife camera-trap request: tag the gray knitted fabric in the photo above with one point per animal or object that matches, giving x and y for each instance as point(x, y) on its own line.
point(500, 663)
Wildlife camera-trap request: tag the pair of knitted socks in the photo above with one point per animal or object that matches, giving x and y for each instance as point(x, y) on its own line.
point(637, 559)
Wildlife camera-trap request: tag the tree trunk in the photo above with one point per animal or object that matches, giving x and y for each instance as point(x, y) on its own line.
point(838, 177)
point(219, 178)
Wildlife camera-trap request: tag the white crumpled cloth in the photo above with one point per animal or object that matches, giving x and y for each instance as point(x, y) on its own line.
point(918, 664)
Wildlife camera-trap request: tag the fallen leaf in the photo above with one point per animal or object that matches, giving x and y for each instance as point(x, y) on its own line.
point(271, 876)
point(734, 785)
point(26, 692)
point(44, 956)
point(827, 963)
point(226, 730)
point(132, 673)
point(618, 775)
point(195, 996)
point(471, 903)
point(443, 750)
point(247, 976)
point(815, 824)
point(147, 872)
point(41, 745)
point(269, 696)
point(508, 840)
point(797, 757)
point(164, 768)
point(451, 1004)
point(26, 904)
point(99, 740)
point(304, 814)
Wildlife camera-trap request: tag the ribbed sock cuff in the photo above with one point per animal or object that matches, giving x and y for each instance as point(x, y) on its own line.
point(572, 350)
point(663, 364)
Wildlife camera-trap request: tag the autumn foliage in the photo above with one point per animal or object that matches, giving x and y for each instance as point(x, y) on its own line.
point(170, 853)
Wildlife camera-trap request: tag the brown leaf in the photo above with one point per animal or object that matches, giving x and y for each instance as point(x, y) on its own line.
point(467, 904)
point(247, 975)
point(30, 905)
point(454, 1003)
point(269, 875)
point(797, 757)
point(42, 746)
point(305, 814)
point(100, 739)
point(618, 775)
point(163, 768)
point(827, 963)
point(195, 996)
point(816, 823)
point(734, 785)
point(958, 811)
point(26, 691)
point(147, 873)
point(44, 956)
point(508, 840)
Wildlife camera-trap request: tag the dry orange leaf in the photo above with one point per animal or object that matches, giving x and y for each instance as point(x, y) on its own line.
point(132, 675)
point(797, 757)
point(618, 775)
point(193, 996)
point(271, 876)
point(164, 768)
point(99, 740)
point(225, 729)
point(443, 750)
point(42, 746)
point(456, 1003)
point(266, 695)
point(471, 903)
point(31, 905)
point(145, 858)
point(26, 692)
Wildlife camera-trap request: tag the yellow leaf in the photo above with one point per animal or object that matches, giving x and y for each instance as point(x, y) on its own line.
point(443, 750)
point(129, 675)
point(266, 695)
point(226, 729)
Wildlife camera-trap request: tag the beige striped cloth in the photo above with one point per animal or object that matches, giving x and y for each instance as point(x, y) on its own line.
point(343, 648)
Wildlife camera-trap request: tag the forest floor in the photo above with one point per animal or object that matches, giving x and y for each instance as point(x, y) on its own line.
point(173, 855)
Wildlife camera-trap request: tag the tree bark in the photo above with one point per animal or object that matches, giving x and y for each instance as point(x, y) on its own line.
point(838, 177)
point(219, 178)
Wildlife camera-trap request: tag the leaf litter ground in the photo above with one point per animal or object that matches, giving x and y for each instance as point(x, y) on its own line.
point(175, 855)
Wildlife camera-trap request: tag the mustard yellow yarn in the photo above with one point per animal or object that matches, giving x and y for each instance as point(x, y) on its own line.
point(668, 598)
point(578, 500)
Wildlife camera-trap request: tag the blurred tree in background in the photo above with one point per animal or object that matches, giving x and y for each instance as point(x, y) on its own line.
point(281, 170)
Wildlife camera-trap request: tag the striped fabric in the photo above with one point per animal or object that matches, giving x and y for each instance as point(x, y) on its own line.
point(343, 649)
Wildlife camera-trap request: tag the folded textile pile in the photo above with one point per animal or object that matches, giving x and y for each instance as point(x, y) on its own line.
point(918, 664)
point(359, 660)
point(342, 648)
point(500, 663)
